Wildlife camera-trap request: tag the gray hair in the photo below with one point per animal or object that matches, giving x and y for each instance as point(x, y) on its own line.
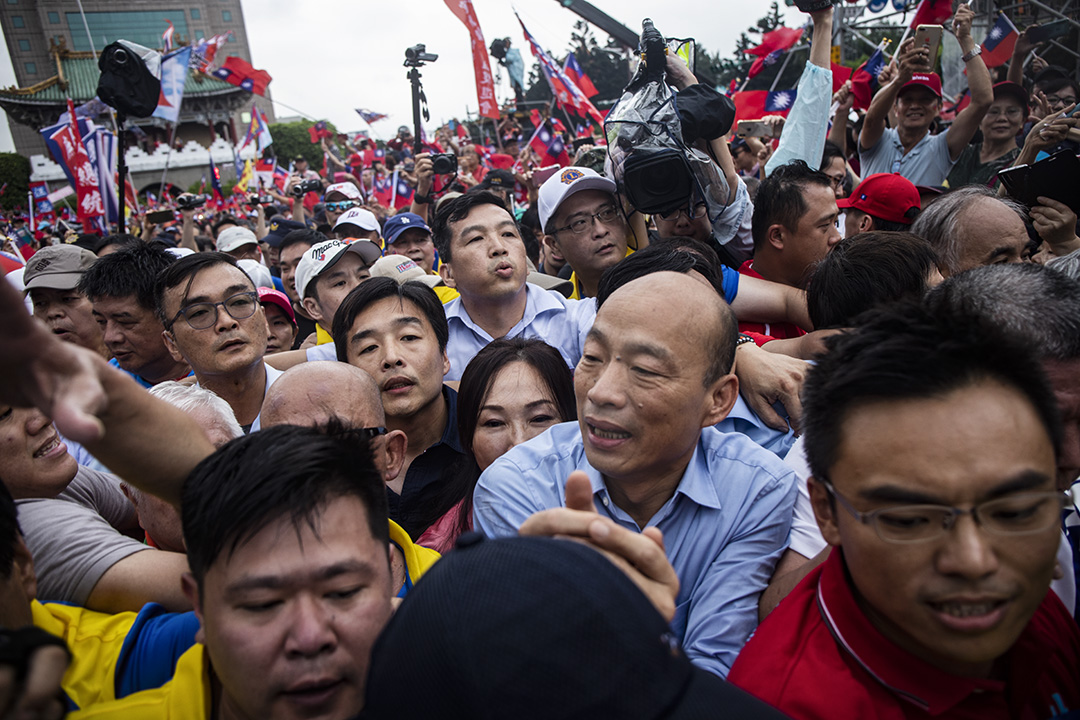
point(1067, 264)
point(939, 222)
point(1036, 304)
point(191, 398)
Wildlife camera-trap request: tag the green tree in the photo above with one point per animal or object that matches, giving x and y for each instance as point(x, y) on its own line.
point(15, 171)
point(292, 140)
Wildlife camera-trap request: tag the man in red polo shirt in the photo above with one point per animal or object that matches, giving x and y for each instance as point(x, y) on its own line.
point(932, 443)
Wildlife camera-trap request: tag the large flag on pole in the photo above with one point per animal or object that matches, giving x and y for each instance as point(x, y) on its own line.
point(566, 93)
point(485, 84)
point(573, 71)
point(174, 68)
point(258, 130)
point(239, 72)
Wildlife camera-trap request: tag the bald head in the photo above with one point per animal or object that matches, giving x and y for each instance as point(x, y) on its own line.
point(311, 393)
point(667, 295)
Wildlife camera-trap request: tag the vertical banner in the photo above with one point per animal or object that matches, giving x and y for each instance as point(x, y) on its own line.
point(174, 68)
point(74, 155)
point(41, 208)
point(485, 84)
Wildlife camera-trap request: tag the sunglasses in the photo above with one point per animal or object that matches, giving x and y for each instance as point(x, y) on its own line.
point(340, 207)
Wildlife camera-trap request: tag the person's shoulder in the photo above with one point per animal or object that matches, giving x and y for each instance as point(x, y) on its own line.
point(736, 449)
point(560, 446)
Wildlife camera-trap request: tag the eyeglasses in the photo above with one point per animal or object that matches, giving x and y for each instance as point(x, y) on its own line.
point(1055, 100)
point(340, 207)
point(1023, 513)
point(203, 315)
point(372, 432)
point(1013, 112)
point(697, 211)
point(605, 215)
point(837, 182)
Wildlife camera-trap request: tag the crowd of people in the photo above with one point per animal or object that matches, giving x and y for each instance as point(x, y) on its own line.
point(518, 449)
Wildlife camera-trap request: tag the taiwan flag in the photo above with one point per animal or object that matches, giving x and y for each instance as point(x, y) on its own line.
point(574, 72)
point(239, 72)
point(403, 192)
point(779, 39)
point(931, 12)
point(864, 81)
point(1000, 41)
point(754, 104)
point(549, 146)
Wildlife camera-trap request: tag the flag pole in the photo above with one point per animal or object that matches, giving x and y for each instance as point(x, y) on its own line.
point(168, 157)
point(783, 66)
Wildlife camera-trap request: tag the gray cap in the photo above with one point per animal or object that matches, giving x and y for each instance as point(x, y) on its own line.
point(58, 267)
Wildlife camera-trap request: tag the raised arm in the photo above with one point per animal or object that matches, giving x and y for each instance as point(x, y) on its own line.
point(959, 134)
point(909, 60)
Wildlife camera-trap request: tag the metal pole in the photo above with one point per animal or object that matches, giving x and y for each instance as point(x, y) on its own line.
point(1052, 11)
point(783, 65)
point(121, 170)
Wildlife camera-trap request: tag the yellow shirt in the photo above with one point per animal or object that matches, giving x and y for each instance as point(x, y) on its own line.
point(576, 295)
point(187, 695)
point(321, 336)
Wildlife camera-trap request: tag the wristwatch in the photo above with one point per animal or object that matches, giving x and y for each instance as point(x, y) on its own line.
point(973, 52)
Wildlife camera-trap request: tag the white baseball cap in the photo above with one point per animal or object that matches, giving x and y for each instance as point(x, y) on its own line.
point(259, 273)
point(320, 258)
point(234, 237)
point(364, 219)
point(344, 188)
point(403, 270)
point(565, 183)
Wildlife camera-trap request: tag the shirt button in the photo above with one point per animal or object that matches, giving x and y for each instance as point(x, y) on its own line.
point(604, 500)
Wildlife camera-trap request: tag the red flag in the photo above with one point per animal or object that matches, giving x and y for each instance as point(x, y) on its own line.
point(1000, 41)
point(779, 39)
point(485, 84)
point(239, 72)
point(931, 12)
point(557, 125)
point(574, 72)
point(90, 203)
point(840, 75)
point(549, 146)
point(534, 117)
point(753, 104)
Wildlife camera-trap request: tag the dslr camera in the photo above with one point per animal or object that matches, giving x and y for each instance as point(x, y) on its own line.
point(190, 202)
point(444, 163)
point(303, 187)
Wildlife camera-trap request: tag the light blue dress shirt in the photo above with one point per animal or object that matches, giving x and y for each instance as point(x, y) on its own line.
point(550, 317)
point(724, 528)
point(928, 163)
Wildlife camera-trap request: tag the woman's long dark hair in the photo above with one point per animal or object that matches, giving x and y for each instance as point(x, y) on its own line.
point(475, 385)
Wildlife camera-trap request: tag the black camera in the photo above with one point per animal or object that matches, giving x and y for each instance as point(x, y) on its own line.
point(126, 84)
point(657, 180)
point(444, 163)
point(255, 200)
point(190, 202)
point(303, 187)
point(417, 55)
point(498, 48)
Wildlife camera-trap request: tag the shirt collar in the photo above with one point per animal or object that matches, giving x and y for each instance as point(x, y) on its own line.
point(696, 484)
point(909, 677)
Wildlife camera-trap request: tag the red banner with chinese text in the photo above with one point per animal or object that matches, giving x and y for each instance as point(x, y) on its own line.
point(90, 204)
point(485, 84)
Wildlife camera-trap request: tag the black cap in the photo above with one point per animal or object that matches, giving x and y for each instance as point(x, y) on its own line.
point(499, 179)
point(537, 628)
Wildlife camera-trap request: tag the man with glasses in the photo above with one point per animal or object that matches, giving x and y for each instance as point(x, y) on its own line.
point(932, 440)
point(582, 221)
point(214, 323)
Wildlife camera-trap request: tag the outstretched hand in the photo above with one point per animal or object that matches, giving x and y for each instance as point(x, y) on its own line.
point(640, 556)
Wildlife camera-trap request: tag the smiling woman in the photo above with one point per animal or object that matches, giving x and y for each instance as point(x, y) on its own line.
point(513, 390)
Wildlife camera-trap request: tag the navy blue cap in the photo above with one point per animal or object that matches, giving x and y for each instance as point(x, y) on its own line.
point(397, 224)
point(279, 228)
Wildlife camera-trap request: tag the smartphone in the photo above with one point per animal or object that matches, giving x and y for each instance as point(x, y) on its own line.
point(541, 175)
point(159, 216)
point(1049, 31)
point(929, 37)
point(754, 128)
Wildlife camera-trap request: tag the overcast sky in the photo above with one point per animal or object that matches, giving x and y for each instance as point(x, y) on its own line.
point(328, 57)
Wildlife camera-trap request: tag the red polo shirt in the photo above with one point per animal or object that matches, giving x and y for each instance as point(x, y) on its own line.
point(818, 656)
point(764, 332)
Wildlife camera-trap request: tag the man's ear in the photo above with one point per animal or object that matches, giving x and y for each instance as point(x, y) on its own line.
point(775, 236)
point(311, 307)
point(23, 569)
point(720, 399)
point(552, 242)
point(190, 588)
point(824, 511)
point(866, 223)
point(395, 445)
point(170, 345)
point(446, 272)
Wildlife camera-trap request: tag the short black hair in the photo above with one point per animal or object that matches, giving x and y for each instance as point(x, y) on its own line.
point(378, 288)
point(456, 210)
point(122, 239)
point(131, 271)
point(306, 236)
point(905, 351)
point(186, 268)
point(10, 533)
point(226, 220)
point(892, 225)
point(779, 198)
point(867, 270)
point(672, 257)
point(832, 150)
point(282, 471)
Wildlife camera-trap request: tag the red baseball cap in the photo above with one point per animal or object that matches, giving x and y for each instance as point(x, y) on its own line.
point(266, 295)
point(889, 196)
point(927, 80)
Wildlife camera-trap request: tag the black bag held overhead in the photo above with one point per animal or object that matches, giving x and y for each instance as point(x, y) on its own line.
point(130, 81)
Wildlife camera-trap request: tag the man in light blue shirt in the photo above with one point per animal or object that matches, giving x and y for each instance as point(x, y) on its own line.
point(484, 260)
point(648, 391)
